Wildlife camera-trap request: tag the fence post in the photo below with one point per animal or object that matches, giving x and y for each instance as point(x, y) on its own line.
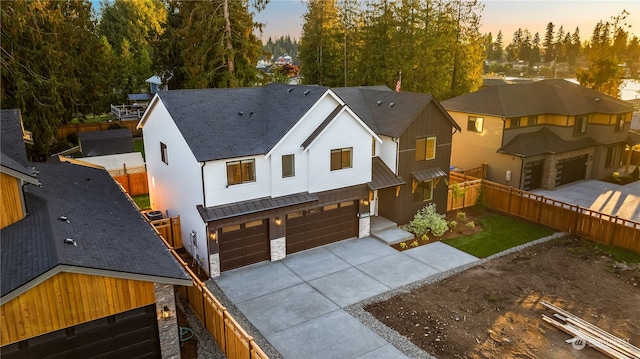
point(510, 195)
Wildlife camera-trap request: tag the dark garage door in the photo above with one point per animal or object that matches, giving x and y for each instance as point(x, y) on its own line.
point(320, 226)
point(132, 334)
point(532, 175)
point(244, 244)
point(571, 170)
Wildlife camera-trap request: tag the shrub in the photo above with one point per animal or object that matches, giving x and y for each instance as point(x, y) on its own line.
point(480, 204)
point(471, 225)
point(425, 238)
point(452, 225)
point(461, 216)
point(428, 220)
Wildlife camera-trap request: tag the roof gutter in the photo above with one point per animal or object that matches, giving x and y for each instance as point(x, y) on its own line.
point(204, 193)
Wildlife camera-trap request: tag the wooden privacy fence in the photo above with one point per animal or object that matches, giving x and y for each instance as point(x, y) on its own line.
point(134, 183)
point(462, 194)
point(224, 329)
point(66, 130)
point(562, 216)
point(169, 229)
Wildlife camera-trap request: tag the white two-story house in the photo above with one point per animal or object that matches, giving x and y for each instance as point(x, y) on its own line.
point(242, 167)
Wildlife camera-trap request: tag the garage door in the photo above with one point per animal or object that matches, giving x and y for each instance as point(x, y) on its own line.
point(532, 175)
point(320, 226)
point(132, 334)
point(244, 244)
point(571, 170)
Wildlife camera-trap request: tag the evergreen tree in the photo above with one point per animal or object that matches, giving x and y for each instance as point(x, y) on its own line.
point(603, 73)
point(321, 50)
point(498, 47)
point(51, 64)
point(535, 51)
point(216, 43)
point(549, 49)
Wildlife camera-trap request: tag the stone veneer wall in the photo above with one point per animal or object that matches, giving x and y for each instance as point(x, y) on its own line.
point(214, 264)
point(551, 169)
point(167, 327)
point(364, 225)
point(278, 248)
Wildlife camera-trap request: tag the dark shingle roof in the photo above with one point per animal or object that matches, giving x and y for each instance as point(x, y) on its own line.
point(13, 154)
point(382, 176)
point(228, 123)
point(555, 96)
point(386, 112)
point(543, 141)
point(108, 142)
point(110, 233)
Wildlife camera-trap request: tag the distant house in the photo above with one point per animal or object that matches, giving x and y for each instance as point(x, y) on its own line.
point(82, 272)
point(540, 135)
point(259, 173)
point(108, 142)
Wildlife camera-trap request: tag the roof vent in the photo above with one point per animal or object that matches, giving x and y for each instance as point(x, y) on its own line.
point(289, 89)
point(240, 113)
point(70, 241)
point(391, 104)
point(251, 114)
point(306, 93)
point(379, 102)
point(63, 219)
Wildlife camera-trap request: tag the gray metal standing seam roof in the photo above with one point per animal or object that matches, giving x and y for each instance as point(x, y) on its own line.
point(109, 232)
point(228, 123)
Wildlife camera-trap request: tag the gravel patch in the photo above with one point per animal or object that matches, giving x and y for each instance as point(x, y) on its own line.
point(207, 347)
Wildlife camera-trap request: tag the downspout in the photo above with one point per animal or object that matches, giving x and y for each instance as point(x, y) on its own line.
point(204, 193)
point(397, 153)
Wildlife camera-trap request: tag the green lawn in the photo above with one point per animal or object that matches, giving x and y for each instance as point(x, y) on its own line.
point(142, 201)
point(97, 118)
point(499, 233)
point(138, 145)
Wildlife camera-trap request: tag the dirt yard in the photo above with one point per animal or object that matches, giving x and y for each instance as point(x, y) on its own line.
point(494, 311)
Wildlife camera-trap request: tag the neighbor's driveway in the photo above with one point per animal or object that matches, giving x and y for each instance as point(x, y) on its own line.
point(297, 303)
point(608, 198)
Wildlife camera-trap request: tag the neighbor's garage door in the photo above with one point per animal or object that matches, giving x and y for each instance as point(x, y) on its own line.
point(244, 244)
point(571, 170)
point(320, 226)
point(132, 334)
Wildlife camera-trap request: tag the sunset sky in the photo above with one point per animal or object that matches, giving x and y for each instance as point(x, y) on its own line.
point(285, 16)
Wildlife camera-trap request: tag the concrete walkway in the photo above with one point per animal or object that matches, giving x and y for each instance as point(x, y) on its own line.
point(608, 198)
point(297, 303)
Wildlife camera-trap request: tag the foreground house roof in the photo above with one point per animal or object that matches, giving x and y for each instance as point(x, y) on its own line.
point(227, 123)
point(80, 221)
point(555, 96)
point(13, 155)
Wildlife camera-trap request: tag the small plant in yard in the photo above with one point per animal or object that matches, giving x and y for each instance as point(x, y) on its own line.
point(461, 216)
point(470, 225)
point(428, 220)
point(452, 225)
point(425, 238)
point(403, 245)
point(414, 244)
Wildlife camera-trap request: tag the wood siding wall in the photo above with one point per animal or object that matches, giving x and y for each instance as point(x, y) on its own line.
point(68, 299)
point(431, 122)
point(11, 205)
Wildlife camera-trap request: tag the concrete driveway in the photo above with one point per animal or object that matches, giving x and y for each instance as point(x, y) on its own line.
point(608, 198)
point(297, 303)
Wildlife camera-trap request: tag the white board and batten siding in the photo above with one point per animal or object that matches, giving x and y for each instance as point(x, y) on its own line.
point(388, 152)
point(343, 132)
point(174, 188)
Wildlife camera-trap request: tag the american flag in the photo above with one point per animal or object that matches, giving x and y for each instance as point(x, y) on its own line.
point(399, 82)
